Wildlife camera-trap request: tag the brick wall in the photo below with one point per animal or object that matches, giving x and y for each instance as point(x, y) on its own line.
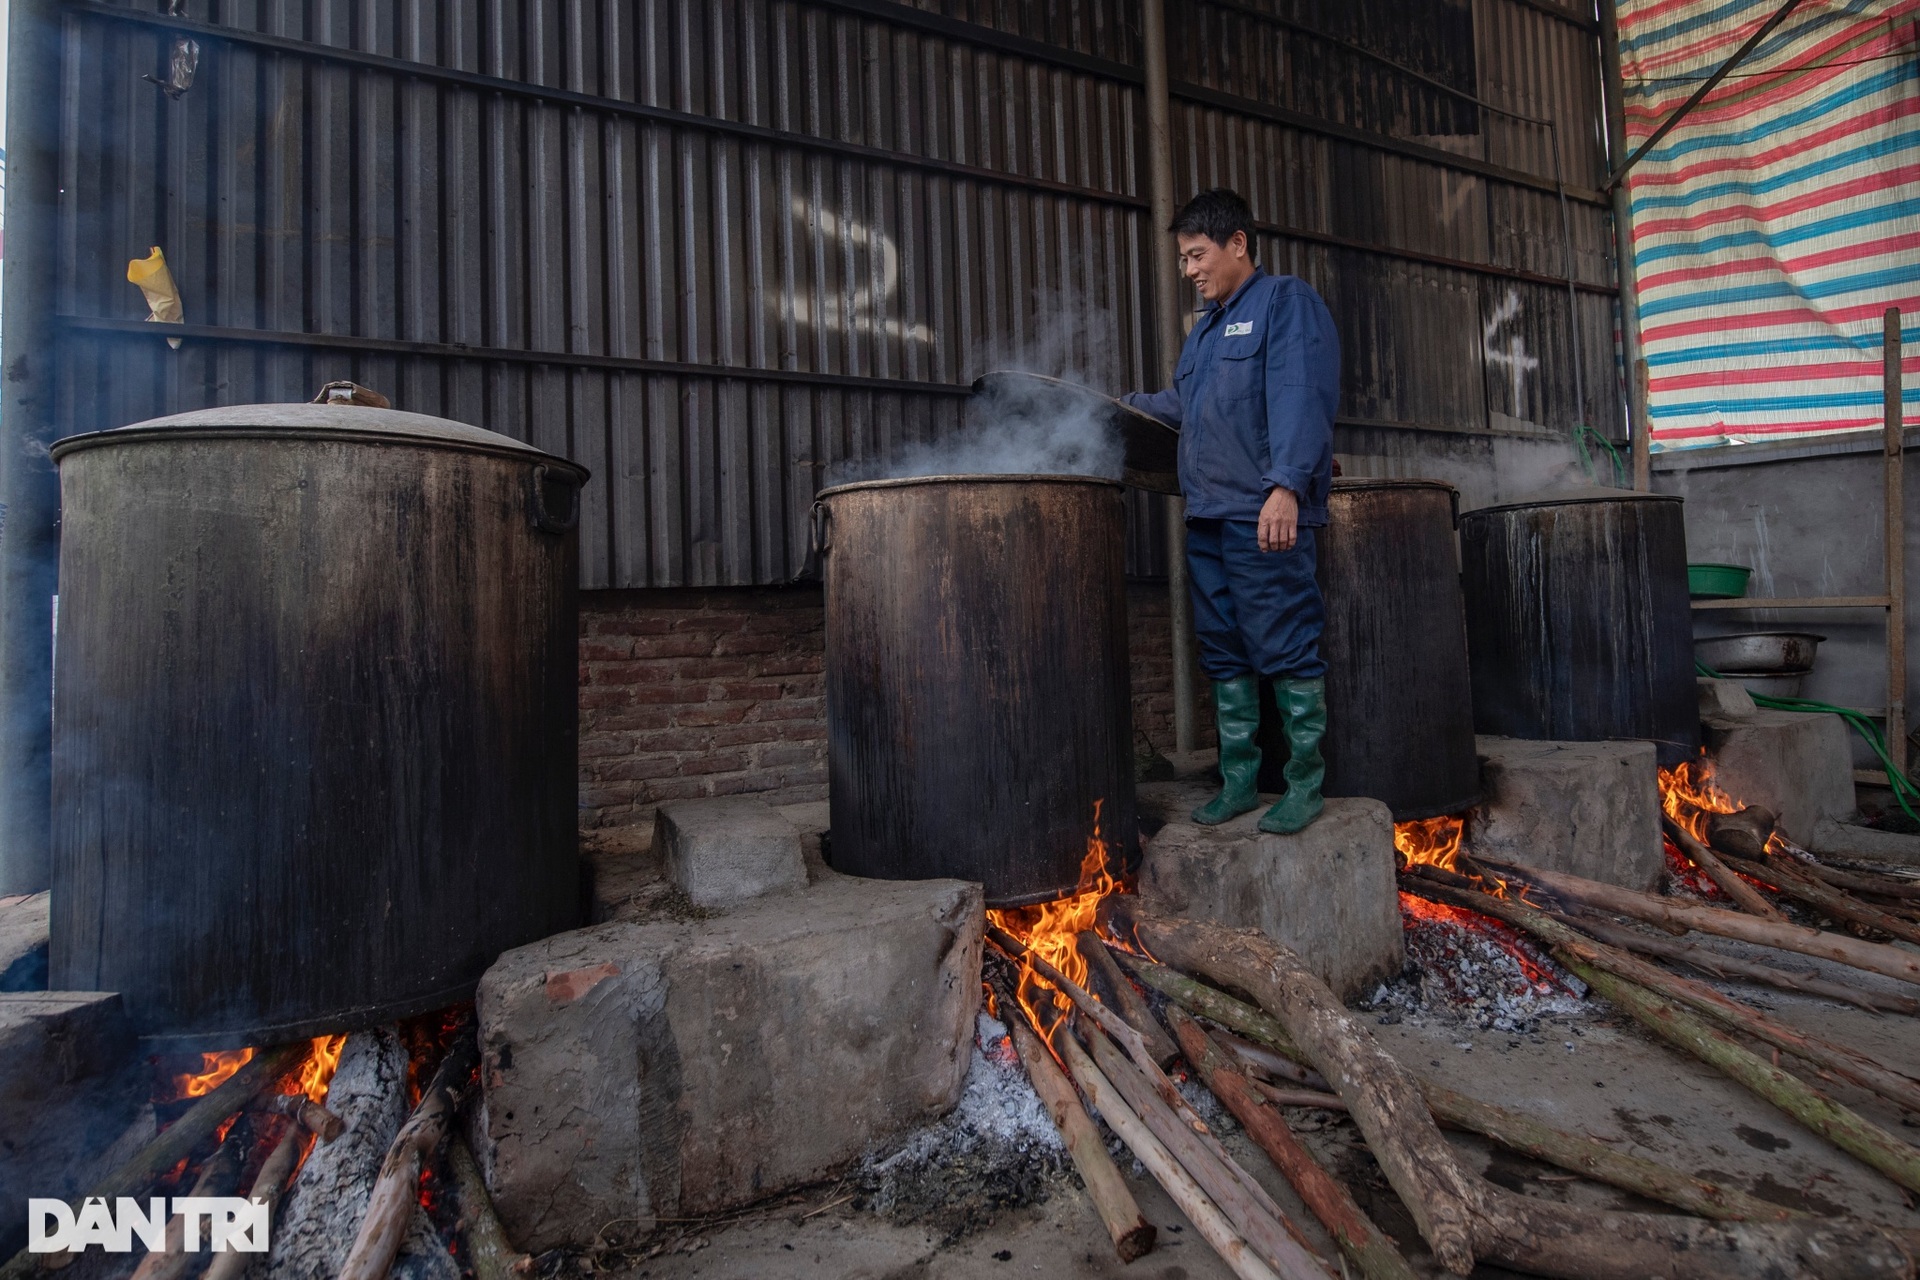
point(720, 692)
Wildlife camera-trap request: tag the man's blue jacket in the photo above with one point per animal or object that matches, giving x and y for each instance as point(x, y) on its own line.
point(1254, 396)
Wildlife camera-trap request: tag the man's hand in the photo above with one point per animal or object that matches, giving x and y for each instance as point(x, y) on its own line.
point(1279, 521)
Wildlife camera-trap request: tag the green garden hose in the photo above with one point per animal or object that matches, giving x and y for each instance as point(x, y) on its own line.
point(1904, 791)
point(1581, 435)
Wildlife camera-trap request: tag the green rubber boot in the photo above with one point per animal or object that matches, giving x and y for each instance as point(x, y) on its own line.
point(1236, 714)
point(1303, 710)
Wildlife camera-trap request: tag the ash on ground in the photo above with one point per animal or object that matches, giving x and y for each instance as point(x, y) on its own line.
point(996, 1150)
point(1467, 969)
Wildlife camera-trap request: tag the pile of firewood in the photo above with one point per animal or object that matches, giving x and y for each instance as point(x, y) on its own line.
point(351, 1208)
point(1296, 1045)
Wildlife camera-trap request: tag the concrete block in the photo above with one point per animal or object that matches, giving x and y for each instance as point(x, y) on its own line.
point(1588, 808)
point(68, 1088)
point(635, 1071)
point(1327, 892)
point(23, 942)
point(1797, 764)
point(1725, 699)
point(719, 852)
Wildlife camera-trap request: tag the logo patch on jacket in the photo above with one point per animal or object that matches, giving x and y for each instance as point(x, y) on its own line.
point(1239, 330)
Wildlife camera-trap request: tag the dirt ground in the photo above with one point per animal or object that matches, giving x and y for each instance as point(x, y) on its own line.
point(1593, 1073)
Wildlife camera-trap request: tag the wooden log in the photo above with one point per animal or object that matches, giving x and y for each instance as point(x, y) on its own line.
point(1364, 1244)
point(489, 1252)
point(1515, 1130)
point(307, 1114)
point(174, 1143)
point(1383, 1099)
point(1832, 902)
point(1271, 1062)
point(1546, 1239)
point(1859, 881)
point(1132, 1235)
point(1721, 965)
point(1730, 883)
point(1254, 1215)
point(218, 1177)
point(1842, 1060)
point(326, 1202)
point(1126, 1001)
point(391, 1208)
point(1160, 1164)
point(269, 1186)
point(1284, 1097)
point(1837, 1124)
point(1872, 957)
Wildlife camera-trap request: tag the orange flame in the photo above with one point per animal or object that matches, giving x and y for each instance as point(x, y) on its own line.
point(1689, 796)
point(1430, 841)
point(1048, 929)
point(215, 1069)
point(316, 1073)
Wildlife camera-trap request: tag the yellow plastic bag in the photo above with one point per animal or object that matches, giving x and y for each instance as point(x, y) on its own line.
point(163, 296)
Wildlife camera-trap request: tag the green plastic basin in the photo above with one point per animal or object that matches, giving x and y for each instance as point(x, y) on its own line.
point(1717, 581)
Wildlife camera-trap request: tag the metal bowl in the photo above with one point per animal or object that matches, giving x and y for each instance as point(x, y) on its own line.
point(1779, 685)
point(1758, 652)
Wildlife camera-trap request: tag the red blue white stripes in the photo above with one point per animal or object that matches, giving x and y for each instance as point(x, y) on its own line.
point(1777, 222)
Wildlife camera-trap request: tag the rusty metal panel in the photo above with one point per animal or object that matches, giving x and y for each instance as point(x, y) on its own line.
point(711, 249)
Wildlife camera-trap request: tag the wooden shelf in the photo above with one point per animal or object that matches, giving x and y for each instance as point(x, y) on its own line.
point(1797, 602)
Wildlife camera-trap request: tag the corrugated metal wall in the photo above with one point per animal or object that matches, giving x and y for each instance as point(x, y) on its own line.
point(710, 249)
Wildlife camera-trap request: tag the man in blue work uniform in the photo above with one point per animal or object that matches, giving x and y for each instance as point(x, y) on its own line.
point(1254, 396)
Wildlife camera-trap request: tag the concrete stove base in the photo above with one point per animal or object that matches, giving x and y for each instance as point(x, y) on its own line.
point(1327, 892)
point(1587, 808)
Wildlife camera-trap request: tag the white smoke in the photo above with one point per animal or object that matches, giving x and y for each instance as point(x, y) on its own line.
point(1022, 426)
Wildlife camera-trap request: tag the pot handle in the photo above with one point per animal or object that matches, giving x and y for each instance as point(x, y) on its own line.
point(819, 530)
point(1453, 501)
point(554, 503)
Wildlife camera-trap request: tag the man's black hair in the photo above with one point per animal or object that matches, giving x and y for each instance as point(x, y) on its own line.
point(1215, 214)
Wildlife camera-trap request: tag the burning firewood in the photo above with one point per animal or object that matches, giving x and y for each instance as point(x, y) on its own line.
point(1872, 957)
point(1720, 873)
point(394, 1202)
point(1126, 1001)
point(1569, 944)
point(1363, 1243)
point(1461, 1216)
point(218, 1176)
point(269, 1186)
point(1514, 1130)
point(307, 1114)
point(1179, 1185)
point(489, 1252)
point(329, 1196)
point(1132, 1235)
point(1721, 965)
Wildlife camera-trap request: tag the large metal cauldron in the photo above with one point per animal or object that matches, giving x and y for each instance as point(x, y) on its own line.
point(978, 714)
point(1399, 709)
point(1578, 622)
point(315, 722)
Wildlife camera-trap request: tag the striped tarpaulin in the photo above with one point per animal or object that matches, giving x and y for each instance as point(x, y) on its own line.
point(1779, 220)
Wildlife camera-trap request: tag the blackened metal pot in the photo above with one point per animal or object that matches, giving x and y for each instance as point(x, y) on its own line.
point(1578, 622)
point(979, 724)
point(315, 728)
point(1399, 705)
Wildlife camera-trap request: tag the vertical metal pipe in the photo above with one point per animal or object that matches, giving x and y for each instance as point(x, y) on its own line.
point(29, 487)
point(1170, 335)
point(1613, 90)
point(1896, 536)
point(1642, 447)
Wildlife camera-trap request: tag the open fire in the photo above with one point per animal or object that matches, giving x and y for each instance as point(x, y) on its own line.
point(1048, 929)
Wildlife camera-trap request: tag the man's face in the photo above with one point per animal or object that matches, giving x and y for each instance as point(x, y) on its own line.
point(1215, 269)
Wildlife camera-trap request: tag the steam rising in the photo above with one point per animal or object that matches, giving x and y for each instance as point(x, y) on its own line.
point(1022, 426)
